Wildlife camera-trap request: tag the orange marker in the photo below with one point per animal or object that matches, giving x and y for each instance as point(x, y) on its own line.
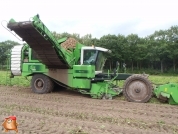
point(10, 124)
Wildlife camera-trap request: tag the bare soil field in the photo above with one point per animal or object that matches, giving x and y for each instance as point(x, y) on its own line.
point(68, 112)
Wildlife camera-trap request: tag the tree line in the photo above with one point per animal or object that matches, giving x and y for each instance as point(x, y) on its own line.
point(158, 51)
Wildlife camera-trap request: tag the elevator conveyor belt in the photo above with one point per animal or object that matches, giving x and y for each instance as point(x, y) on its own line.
point(43, 47)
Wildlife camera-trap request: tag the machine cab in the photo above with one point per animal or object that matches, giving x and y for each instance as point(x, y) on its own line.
point(94, 56)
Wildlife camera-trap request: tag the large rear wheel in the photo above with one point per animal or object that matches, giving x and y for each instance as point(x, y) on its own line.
point(138, 88)
point(41, 84)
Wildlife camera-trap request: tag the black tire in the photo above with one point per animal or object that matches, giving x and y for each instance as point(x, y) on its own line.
point(163, 99)
point(138, 88)
point(41, 84)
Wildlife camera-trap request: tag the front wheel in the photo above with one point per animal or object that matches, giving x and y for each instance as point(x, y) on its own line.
point(41, 84)
point(138, 88)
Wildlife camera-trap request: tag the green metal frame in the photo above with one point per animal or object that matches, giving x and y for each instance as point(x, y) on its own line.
point(29, 69)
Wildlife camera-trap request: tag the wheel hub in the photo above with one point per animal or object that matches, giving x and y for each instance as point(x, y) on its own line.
point(39, 84)
point(137, 90)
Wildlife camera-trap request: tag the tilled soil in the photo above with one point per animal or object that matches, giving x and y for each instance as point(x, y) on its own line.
point(68, 112)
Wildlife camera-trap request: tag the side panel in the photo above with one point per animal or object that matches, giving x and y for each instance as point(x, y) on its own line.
point(29, 68)
point(82, 83)
point(64, 76)
point(84, 71)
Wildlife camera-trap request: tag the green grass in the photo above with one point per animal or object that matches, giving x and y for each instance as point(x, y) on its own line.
point(16, 81)
point(163, 79)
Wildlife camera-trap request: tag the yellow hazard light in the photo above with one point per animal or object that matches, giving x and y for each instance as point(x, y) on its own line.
point(165, 89)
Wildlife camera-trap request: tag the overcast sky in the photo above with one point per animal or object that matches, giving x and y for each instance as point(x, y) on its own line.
point(96, 17)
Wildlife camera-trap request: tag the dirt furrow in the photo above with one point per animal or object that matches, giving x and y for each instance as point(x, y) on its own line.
point(62, 97)
point(151, 116)
point(70, 112)
point(37, 123)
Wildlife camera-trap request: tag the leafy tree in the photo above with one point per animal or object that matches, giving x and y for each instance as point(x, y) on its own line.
point(172, 39)
point(132, 41)
point(111, 42)
point(5, 50)
point(87, 40)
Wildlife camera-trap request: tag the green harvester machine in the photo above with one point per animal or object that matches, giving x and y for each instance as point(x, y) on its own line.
point(72, 65)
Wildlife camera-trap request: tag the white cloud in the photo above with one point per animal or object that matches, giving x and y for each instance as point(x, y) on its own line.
point(96, 17)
